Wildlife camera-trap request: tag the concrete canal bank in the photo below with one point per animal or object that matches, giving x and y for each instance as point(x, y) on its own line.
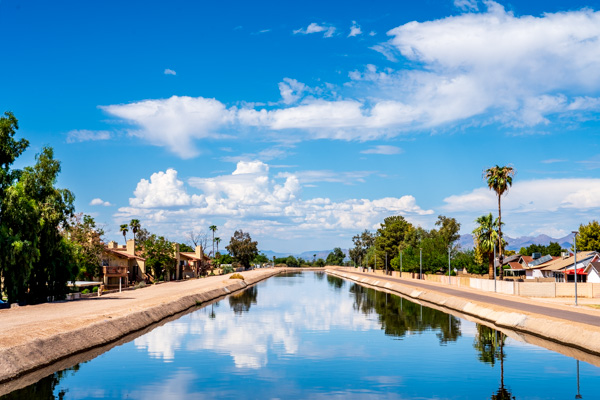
point(35, 337)
point(568, 326)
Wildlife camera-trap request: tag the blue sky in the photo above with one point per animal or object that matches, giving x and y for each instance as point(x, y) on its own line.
point(305, 123)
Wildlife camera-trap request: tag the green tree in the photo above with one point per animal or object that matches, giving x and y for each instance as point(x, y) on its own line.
point(213, 229)
point(86, 238)
point(319, 263)
point(292, 262)
point(242, 248)
point(135, 226)
point(588, 238)
point(485, 237)
point(448, 230)
point(552, 249)
point(499, 179)
point(260, 259)
point(336, 257)
point(391, 235)
point(38, 259)
point(124, 228)
point(159, 256)
point(10, 150)
point(185, 247)
point(362, 242)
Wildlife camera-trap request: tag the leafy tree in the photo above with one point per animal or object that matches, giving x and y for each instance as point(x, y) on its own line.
point(499, 179)
point(213, 229)
point(448, 230)
point(292, 262)
point(185, 247)
point(86, 238)
point(485, 237)
point(158, 253)
point(260, 259)
point(391, 235)
point(225, 259)
point(588, 238)
point(10, 150)
point(552, 249)
point(242, 248)
point(38, 259)
point(142, 235)
point(319, 263)
point(135, 226)
point(124, 228)
point(336, 257)
point(362, 242)
point(280, 260)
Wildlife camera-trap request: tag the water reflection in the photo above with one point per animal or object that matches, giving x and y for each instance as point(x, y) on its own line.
point(399, 317)
point(241, 302)
point(316, 340)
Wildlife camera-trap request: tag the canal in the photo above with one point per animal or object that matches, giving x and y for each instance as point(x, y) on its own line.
point(312, 336)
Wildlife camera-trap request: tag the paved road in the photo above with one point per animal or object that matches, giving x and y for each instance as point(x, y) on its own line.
point(519, 306)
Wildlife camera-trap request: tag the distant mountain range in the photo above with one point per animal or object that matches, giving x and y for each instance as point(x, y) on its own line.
point(465, 241)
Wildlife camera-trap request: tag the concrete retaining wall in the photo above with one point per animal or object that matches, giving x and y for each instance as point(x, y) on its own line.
point(576, 335)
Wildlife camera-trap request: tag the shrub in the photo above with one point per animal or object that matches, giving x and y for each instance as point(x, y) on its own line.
point(236, 276)
point(95, 289)
point(227, 269)
point(85, 291)
point(140, 285)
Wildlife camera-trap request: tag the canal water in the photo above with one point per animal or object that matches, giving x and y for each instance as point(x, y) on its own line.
point(314, 336)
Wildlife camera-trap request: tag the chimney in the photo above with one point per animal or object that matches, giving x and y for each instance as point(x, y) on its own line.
point(131, 247)
point(199, 252)
point(112, 244)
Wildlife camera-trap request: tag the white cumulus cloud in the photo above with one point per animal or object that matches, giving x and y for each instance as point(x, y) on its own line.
point(355, 30)
point(99, 202)
point(328, 30)
point(169, 71)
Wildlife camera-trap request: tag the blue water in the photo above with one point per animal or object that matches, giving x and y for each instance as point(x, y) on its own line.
point(314, 336)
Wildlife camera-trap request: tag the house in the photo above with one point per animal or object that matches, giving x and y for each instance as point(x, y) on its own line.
point(563, 266)
point(534, 265)
point(593, 272)
point(189, 262)
point(120, 265)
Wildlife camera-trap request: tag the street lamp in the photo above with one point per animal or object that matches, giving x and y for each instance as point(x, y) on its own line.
point(449, 247)
point(420, 263)
point(575, 262)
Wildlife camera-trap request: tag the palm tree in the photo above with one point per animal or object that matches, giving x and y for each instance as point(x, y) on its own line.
point(485, 236)
point(134, 224)
point(217, 241)
point(499, 179)
point(124, 229)
point(213, 228)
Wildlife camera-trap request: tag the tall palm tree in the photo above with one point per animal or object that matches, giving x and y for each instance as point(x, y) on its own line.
point(134, 224)
point(124, 229)
point(217, 241)
point(213, 228)
point(499, 179)
point(485, 236)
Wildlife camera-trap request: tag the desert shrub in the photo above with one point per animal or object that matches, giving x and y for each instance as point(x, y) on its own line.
point(95, 289)
point(140, 285)
point(85, 291)
point(236, 276)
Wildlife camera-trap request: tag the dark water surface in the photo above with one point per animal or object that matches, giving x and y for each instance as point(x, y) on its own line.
point(313, 336)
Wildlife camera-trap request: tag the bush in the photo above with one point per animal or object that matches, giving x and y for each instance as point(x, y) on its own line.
point(85, 291)
point(227, 269)
point(140, 285)
point(236, 276)
point(95, 289)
